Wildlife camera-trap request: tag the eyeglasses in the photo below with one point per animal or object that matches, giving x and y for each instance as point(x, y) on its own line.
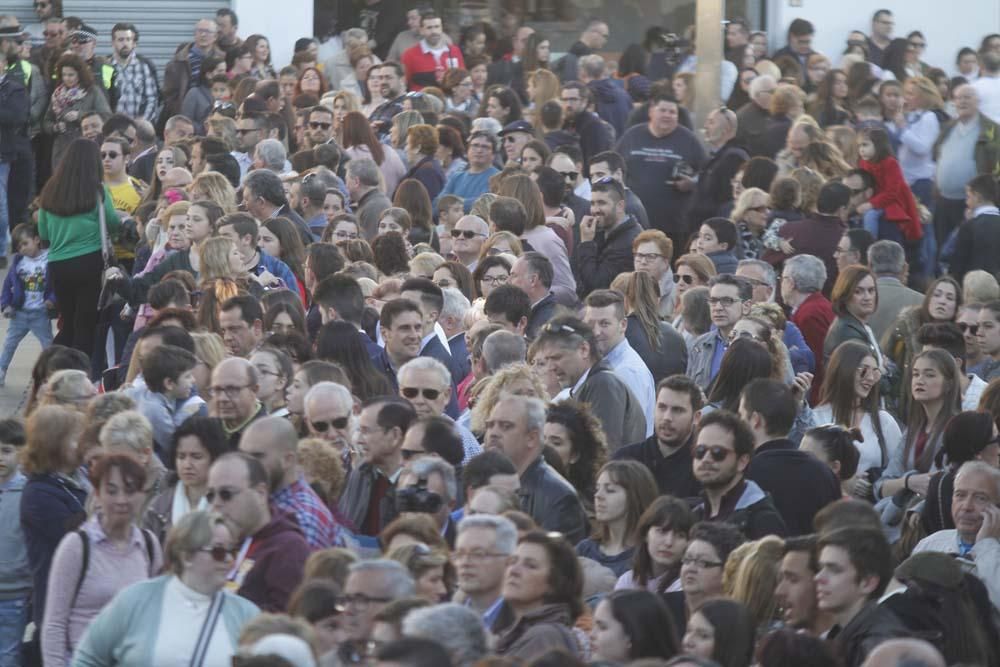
point(717, 452)
point(362, 601)
point(495, 280)
point(230, 392)
point(413, 392)
point(225, 495)
point(972, 329)
point(864, 372)
point(687, 278)
point(700, 563)
point(320, 126)
point(724, 301)
point(467, 234)
point(918, 45)
point(457, 556)
point(340, 423)
point(220, 554)
point(648, 256)
point(570, 175)
point(110, 155)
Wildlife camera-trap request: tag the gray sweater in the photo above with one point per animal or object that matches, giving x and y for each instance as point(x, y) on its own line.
point(15, 576)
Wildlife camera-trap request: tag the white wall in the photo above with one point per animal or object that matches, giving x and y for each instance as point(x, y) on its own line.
point(948, 25)
point(282, 21)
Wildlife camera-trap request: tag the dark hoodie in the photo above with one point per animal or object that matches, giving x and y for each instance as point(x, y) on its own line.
point(568, 66)
point(611, 102)
point(274, 564)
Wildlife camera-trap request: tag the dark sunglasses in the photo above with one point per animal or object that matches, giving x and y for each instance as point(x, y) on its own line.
point(413, 392)
point(971, 328)
point(320, 126)
point(570, 175)
point(340, 423)
point(220, 554)
point(688, 280)
point(111, 155)
point(717, 452)
point(464, 233)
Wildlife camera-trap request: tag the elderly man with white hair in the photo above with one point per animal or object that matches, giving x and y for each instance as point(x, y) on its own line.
point(456, 627)
point(761, 275)
point(426, 383)
point(802, 281)
point(483, 547)
point(370, 586)
point(270, 154)
point(753, 116)
point(976, 535)
point(328, 407)
point(452, 320)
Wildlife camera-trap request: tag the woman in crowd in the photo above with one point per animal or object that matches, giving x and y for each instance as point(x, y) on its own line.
point(969, 436)
point(786, 107)
point(697, 318)
point(854, 300)
point(338, 342)
point(662, 534)
point(274, 372)
point(743, 362)
point(490, 273)
point(918, 127)
point(343, 103)
point(261, 50)
point(342, 227)
point(74, 206)
point(457, 87)
point(185, 615)
point(721, 630)
point(76, 96)
point(421, 155)
point(624, 490)
point(691, 270)
point(755, 581)
point(213, 187)
point(198, 101)
point(542, 590)
point(279, 238)
point(197, 443)
point(937, 397)
point(501, 243)
point(311, 82)
point(850, 397)
point(751, 214)
point(428, 569)
point(683, 88)
point(656, 342)
point(502, 104)
point(209, 350)
point(457, 275)
point(834, 445)
point(516, 379)
point(451, 151)
point(106, 555)
point(411, 196)
point(831, 105)
point(632, 625)
point(534, 155)
point(576, 436)
point(54, 497)
point(391, 250)
point(359, 141)
point(285, 317)
point(543, 86)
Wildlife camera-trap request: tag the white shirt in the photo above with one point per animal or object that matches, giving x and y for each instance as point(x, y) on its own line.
point(970, 401)
point(988, 88)
point(181, 619)
point(871, 453)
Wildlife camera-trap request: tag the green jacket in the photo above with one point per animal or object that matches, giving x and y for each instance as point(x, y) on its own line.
point(79, 234)
point(987, 151)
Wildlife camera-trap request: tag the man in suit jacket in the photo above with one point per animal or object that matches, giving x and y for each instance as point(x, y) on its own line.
point(887, 260)
point(533, 273)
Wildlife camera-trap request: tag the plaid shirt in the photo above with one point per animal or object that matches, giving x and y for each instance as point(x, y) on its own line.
point(140, 91)
point(314, 518)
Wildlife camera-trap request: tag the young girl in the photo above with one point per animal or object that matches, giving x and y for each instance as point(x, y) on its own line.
point(834, 445)
point(893, 201)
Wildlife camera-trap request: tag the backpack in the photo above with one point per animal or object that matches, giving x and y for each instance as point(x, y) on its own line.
point(147, 537)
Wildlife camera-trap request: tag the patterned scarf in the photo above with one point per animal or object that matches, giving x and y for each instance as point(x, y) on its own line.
point(64, 99)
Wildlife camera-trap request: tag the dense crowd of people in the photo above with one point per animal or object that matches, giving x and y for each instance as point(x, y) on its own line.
point(431, 348)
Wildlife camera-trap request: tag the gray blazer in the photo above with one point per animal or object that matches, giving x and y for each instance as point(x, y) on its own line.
point(893, 296)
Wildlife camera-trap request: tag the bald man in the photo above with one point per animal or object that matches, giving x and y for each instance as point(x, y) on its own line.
point(908, 652)
point(234, 397)
point(467, 239)
point(273, 442)
point(328, 408)
point(713, 186)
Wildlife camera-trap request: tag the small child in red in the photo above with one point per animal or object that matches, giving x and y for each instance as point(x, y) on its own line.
point(893, 200)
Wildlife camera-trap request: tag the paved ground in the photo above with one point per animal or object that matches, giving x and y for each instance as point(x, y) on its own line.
point(15, 392)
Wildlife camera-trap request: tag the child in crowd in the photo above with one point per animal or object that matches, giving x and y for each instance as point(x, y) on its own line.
point(891, 213)
point(717, 239)
point(168, 398)
point(450, 211)
point(27, 294)
point(220, 90)
point(15, 575)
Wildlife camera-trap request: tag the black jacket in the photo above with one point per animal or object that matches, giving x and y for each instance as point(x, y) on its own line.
point(614, 404)
point(715, 180)
point(752, 122)
point(843, 329)
point(596, 263)
point(595, 136)
point(977, 246)
point(754, 513)
point(15, 112)
point(541, 312)
point(674, 475)
point(568, 67)
point(871, 626)
point(798, 482)
point(552, 501)
point(669, 360)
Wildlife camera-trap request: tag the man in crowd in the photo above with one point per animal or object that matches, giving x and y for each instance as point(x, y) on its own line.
point(452, 323)
point(320, 126)
point(667, 453)
point(729, 301)
point(339, 298)
point(312, 197)
point(802, 280)
point(762, 277)
point(371, 585)
point(13, 126)
point(387, 79)
point(434, 475)
point(426, 62)
point(593, 135)
point(657, 155)
point(610, 164)
point(123, 188)
point(722, 452)
point(428, 296)
point(976, 536)
point(184, 70)
point(989, 340)
point(473, 181)
point(567, 344)
point(264, 197)
point(234, 397)
point(272, 441)
point(228, 24)
point(514, 427)
point(402, 324)
point(510, 307)
point(799, 483)
point(532, 273)
point(268, 571)
point(138, 84)
point(881, 35)
point(363, 180)
point(426, 383)
point(796, 591)
point(514, 136)
point(241, 323)
point(482, 549)
point(467, 240)
point(800, 35)
point(328, 408)
point(887, 260)
point(606, 236)
point(611, 103)
point(712, 186)
point(591, 40)
point(251, 129)
point(753, 117)
point(367, 497)
point(83, 41)
point(988, 84)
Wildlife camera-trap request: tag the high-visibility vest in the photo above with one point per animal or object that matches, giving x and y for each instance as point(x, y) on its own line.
point(107, 75)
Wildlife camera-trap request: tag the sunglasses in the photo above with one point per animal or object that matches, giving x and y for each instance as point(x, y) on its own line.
point(413, 392)
point(570, 175)
point(110, 155)
point(320, 126)
point(688, 279)
point(467, 234)
point(971, 328)
point(225, 495)
point(717, 452)
point(339, 423)
point(220, 554)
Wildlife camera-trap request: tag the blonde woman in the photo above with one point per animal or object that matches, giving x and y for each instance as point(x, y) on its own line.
point(755, 579)
point(425, 264)
point(751, 217)
point(517, 379)
point(918, 129)
point(543, 86)
point(68, 388)
point(683, 87)
point(222, 277)
point(342, 102)
point(213, 186)
point(209, 350)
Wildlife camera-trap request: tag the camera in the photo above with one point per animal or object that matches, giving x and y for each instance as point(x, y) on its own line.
point(418, 498)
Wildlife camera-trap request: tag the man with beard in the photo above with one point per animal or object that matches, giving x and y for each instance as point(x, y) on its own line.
point(606, 236)
point(273, 441)
point(796, 592)
point(426, 62)
point(387, 79)
point(721, 455)
point(138, 85)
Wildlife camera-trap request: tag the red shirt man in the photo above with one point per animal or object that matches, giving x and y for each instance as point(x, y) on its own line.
point(425, 62)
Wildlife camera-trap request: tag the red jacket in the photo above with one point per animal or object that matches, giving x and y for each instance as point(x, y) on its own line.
point(813, 317)
point(894, 197)
point(423, 69)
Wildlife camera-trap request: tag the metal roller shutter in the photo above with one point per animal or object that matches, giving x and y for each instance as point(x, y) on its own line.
point(162, 24)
